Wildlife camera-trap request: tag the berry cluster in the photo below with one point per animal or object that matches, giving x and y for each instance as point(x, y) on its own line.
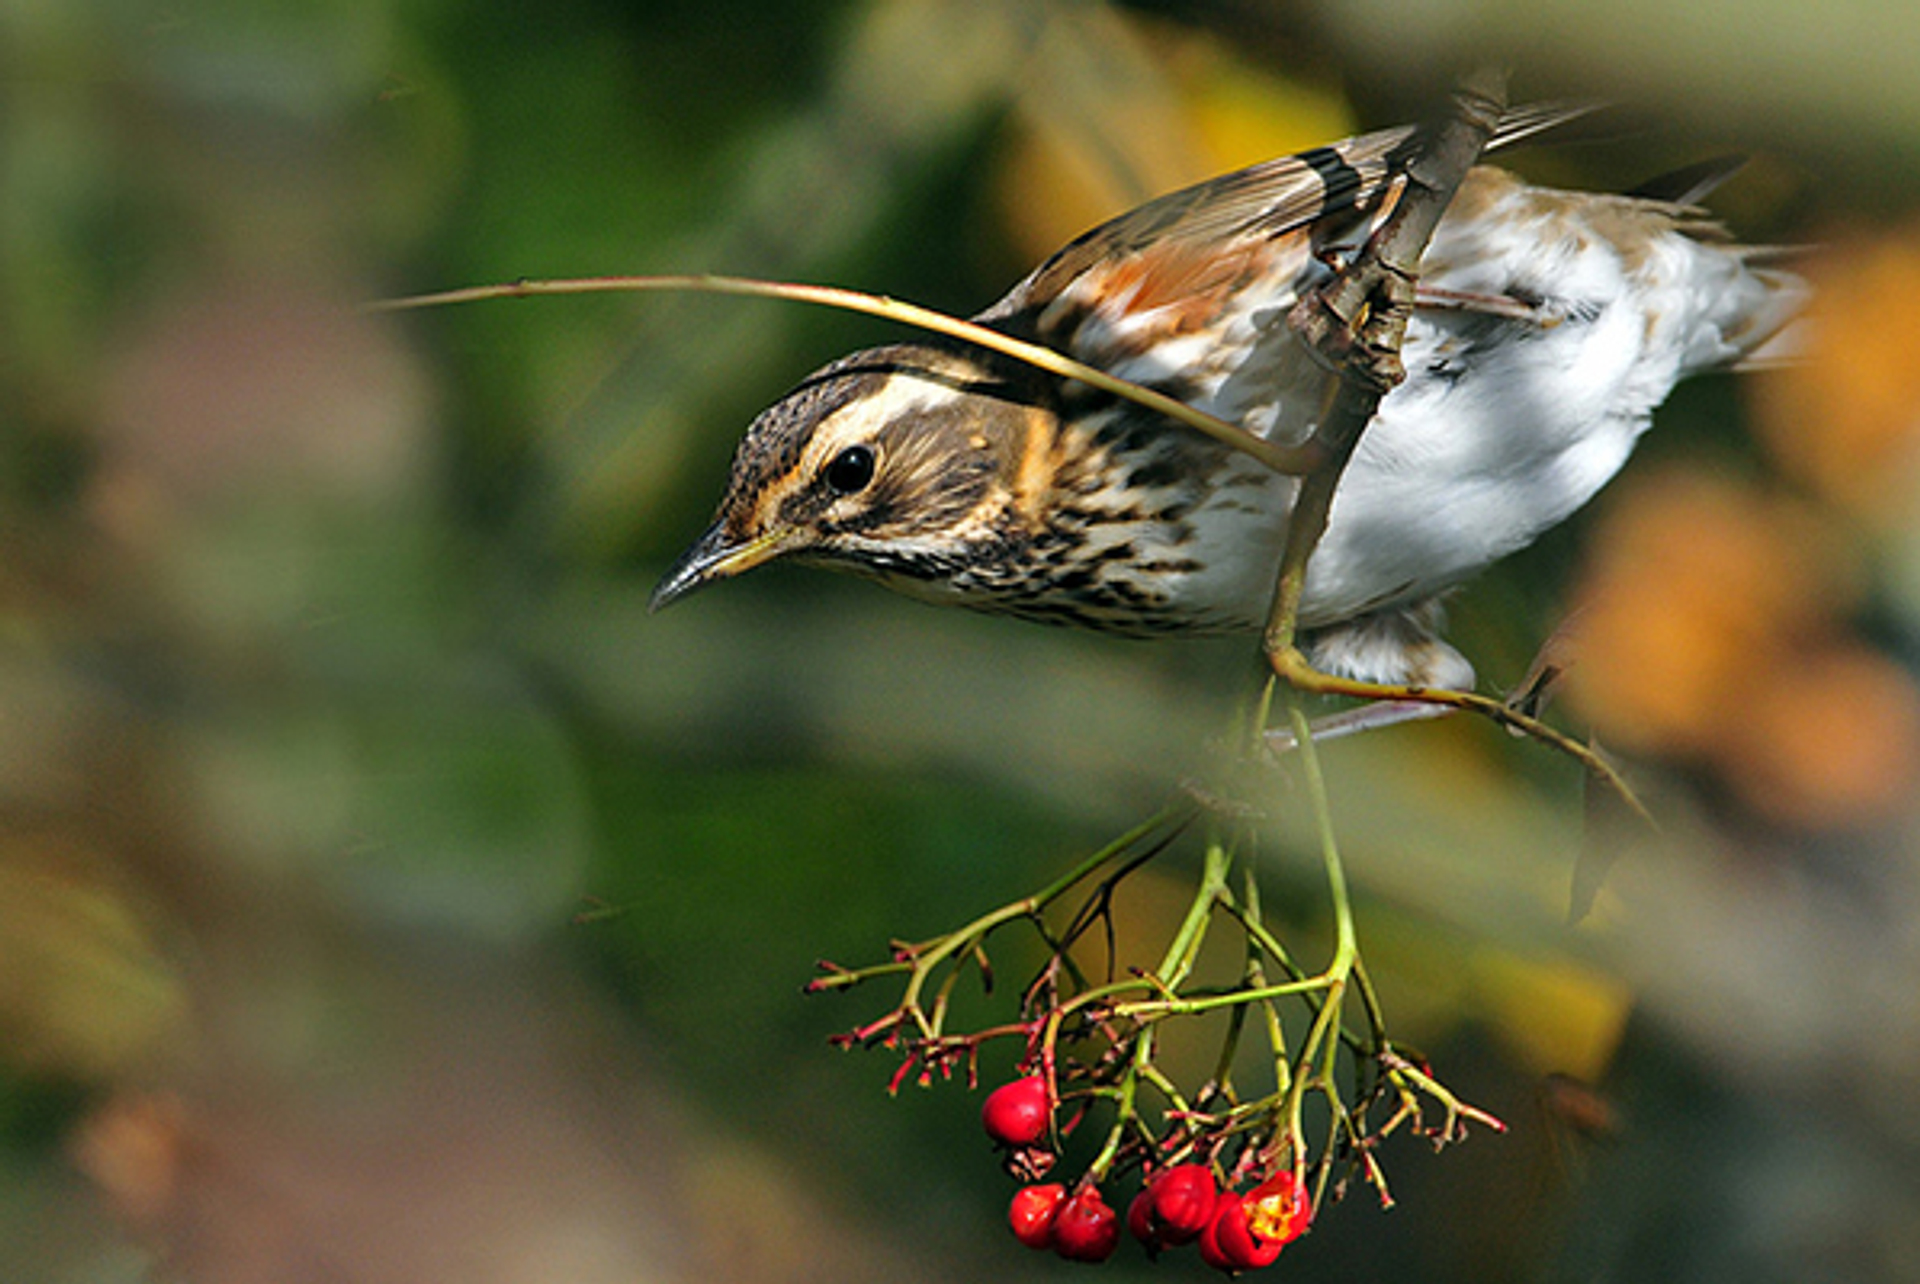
point(1177, 1205)
point(1237, 1164)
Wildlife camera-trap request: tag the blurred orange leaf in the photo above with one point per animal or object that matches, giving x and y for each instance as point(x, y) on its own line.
point(1847, 420)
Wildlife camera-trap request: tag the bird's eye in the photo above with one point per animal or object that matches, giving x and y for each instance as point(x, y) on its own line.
point(850, 470)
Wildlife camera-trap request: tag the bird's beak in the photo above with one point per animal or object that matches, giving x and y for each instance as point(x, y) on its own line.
point(716, 556)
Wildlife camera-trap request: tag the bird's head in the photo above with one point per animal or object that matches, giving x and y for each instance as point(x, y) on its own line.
point(903, 463)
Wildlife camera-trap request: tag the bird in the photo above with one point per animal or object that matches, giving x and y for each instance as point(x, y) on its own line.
point(1549, 324)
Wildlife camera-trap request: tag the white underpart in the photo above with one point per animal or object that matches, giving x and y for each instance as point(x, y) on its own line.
point(1503, 427)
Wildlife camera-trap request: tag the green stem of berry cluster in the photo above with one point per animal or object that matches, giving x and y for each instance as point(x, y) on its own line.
point(1175, 966)
point(1097, 1042)
point(920, 962)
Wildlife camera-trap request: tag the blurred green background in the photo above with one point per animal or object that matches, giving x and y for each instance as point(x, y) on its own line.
point(329, 698)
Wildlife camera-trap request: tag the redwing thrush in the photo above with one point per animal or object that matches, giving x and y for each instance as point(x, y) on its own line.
point(1549, 325)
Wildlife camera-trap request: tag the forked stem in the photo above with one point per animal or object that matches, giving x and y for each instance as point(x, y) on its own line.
point(1346, 944)
point(1314, 1065)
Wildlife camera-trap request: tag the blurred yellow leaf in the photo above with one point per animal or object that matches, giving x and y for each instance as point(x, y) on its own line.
point(1557, 1015)
point(1090, 146)
point(82, 990)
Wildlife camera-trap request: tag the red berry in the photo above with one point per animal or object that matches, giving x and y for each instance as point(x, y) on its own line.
point(1140, 1219)
point(1033, 1211)
point(1173, 1207)
point(1017, 1113)
point(1210, 1251)
point(1235, 1241)
point(1279, 1209)
point(1248, 1231)
point(1183, 1199)
point(1086, 1230)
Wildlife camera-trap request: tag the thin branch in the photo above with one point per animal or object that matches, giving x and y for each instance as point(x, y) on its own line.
point(1294, 669)
point(1359, 317)
point(1290, 460)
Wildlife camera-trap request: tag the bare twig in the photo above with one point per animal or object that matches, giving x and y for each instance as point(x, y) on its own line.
point(1357, 321)
point(1280, 458)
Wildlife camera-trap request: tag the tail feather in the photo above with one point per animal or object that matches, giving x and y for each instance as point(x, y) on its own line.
point(1527, 119)
point(1787, 346)
point(1691, 184)
point(1755, 331)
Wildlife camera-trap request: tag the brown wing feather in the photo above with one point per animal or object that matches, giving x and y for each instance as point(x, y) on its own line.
point(1263, 201)
point(1226, 257)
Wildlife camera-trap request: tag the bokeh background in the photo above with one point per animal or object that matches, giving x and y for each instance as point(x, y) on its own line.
point(328, 699)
